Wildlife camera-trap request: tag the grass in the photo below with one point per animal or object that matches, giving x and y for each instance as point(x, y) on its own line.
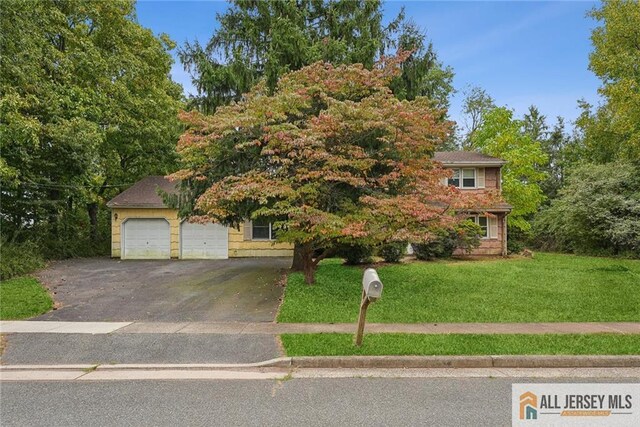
point(547, 288)
point(23, 297)
point(458, 344)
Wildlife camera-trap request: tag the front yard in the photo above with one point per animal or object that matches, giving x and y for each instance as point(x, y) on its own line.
point(547, 288)
point(23, 297)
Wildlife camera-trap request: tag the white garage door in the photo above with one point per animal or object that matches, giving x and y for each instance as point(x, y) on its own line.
point(146, 239)
point(204, 241)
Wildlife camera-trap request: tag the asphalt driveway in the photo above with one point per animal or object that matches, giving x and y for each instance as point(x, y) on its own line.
point(103, 289)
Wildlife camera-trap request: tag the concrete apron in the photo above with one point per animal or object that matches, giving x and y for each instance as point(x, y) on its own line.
point(285, 368)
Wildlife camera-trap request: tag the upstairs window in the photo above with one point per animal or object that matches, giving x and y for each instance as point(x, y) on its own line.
point(468, 178)
point(455, 179)
point(262, 230)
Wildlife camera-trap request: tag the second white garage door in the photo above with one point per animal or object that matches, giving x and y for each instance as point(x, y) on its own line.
point(198, 241)
point(146, 238)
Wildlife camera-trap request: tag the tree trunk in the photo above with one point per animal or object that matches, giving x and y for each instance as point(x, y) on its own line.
point(298, 258)
point(92, 210)
point(308, 263)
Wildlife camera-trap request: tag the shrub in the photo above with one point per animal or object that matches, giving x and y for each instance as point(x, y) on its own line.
point(17, 259)
point(597, 213)
point(356, 253)
point(465, 236)
point(441, 246)
point(393, 251)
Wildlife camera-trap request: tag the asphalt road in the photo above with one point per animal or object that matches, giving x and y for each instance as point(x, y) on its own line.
point(346, 401)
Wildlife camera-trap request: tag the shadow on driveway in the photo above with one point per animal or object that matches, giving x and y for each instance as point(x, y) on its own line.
point(103, 289)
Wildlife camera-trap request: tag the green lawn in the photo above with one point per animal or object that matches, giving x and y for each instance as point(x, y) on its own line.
point(547, 288)
point(457, 344)
point(23, 297)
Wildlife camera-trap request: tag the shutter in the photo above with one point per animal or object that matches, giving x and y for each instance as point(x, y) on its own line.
point(493, 227)
point(445, 181)
point(247, 230)
point(480, 178)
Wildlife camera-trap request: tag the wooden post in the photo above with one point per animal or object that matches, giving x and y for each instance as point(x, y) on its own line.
point(361, 318)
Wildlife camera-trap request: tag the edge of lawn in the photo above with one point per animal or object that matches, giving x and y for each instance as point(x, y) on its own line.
point(383, 344)
point(23, 297)
point(303, 303)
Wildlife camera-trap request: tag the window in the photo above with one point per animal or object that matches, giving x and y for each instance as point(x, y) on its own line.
point(483, 222)
point(468, 178)
point(455, 179)
point(262, 230)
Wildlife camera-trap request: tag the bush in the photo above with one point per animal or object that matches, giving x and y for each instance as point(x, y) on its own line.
point(393, 251)
point(518, 240)
point(442, 246)
point(597, 213)
point(17, 259)
point(355, 254)
point(465, 236)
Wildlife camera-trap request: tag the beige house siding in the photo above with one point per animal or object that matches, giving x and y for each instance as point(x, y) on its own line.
point(239, 247)
point(119, 215)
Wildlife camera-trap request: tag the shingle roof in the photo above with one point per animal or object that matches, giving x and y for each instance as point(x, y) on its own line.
point(144, 193)
point(466, 158)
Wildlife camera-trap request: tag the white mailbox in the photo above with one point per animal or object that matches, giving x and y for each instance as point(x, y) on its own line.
point(371, 285)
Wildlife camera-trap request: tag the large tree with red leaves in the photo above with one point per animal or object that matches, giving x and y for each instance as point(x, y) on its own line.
point(332, 156)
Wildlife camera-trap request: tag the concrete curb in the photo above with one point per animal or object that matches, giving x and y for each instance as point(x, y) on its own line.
point(280, 362)
point(364, 362)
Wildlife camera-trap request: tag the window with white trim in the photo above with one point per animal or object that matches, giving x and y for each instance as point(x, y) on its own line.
point(482, 222)
point(463, 178)
point(262, 230)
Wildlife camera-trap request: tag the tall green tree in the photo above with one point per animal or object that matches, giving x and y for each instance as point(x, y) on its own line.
point(87, 106)
point(612, 131)
point(534, 124)
point(502, 136)
point(477, 103)
point(256, 39)
point(422, 73)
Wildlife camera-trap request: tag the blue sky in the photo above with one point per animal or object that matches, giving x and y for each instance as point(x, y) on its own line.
point(521, 52)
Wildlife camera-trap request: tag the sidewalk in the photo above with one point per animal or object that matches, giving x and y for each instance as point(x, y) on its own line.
point(239, 328)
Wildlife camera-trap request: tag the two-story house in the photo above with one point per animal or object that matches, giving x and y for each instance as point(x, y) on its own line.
point(143, 227)
point(478, 173)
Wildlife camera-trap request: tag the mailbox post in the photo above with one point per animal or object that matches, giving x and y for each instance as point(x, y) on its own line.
point(371, 291)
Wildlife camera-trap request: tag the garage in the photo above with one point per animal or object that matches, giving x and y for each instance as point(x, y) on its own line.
point(203, 241)
point(146, 238)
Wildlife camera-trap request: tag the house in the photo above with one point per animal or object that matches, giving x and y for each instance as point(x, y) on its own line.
point(478, 173)
point(143, 227)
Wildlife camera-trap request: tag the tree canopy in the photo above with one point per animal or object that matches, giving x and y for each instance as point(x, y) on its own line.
point(502, 136)
point(87, 107)
point(597, 212)
point(332, 156)
point(612, 131)
point(256, 39)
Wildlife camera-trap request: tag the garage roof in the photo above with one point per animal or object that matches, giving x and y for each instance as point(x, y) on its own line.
point(466, 158)
point(144, 193)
